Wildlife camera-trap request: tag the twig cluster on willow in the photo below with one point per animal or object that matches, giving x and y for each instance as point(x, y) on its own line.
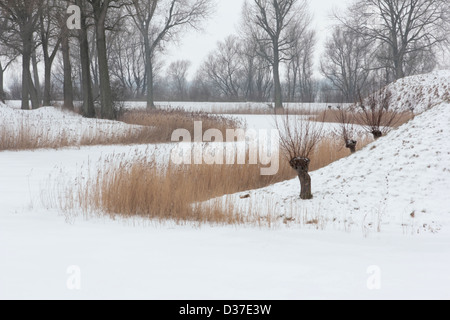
point(298, 139)
point(376, 115)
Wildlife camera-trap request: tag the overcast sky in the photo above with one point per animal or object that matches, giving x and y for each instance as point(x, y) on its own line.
point(195, 46)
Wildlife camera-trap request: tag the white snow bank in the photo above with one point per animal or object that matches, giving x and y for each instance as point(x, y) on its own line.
point(421, 92)
point(402, 181)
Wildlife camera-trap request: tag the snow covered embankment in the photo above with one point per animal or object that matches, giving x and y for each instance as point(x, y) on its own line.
point(421, 92)
point(401, 181)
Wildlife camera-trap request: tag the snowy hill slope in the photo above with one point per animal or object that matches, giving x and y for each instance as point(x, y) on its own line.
point(402, 181)
point(421, 92)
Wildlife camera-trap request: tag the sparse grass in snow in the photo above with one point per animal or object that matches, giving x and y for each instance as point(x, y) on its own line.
point(49, 128)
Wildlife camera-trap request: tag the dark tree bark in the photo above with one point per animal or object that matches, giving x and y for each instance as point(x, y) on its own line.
point(28, 89)
point(46, 35)
point(37, 81)
point(2, 90)
point(26, 62)
point(149, 73)
point(278, 98)
point(301, 165)
point(68, 85)
point(88, 98)
point(107, 103)
point(377, 134)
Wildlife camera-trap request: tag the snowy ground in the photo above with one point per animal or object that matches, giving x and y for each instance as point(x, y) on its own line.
point(44, 255)
point(133, 259)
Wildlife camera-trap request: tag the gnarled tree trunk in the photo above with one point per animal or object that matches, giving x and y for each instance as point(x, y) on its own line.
point(377, 134)
point(351, 144)
point(301, 165)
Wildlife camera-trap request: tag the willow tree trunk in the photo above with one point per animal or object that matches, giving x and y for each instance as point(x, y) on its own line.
point(67, 66)
point(351, 144)
point(301, 166)
point(88, 98)
point(377, 134)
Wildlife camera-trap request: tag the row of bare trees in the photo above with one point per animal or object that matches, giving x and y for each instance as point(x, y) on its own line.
point(116, 50)
point(117, 45)
point(379, 41)
point(40, 28)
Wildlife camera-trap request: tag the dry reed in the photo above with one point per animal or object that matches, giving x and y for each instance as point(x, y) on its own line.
point(139, 188)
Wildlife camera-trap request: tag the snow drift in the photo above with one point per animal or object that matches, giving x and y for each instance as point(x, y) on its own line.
point(421, 92)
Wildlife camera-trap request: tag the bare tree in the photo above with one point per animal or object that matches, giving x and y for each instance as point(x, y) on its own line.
point(22, 18)
point(67, 67)
point(177, 73)
point(274, 25)
point(300, 83)
point(346, 118)
point(160, 21)
point(7, 57)
point(298, 139)
point(258, 83)
point(347, 62)
point(100, 10)
point(404, 27)
point(200, 88)
point(50, 38)
point(376, 114)
point(224, 68)
point(127, 63)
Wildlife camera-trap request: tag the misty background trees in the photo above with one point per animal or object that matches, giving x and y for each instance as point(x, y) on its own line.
point(115, 50)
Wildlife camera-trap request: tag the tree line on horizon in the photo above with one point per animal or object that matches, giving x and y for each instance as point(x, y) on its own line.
point(117, 51)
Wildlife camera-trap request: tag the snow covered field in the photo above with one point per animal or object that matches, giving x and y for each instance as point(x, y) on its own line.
point(399, 185)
